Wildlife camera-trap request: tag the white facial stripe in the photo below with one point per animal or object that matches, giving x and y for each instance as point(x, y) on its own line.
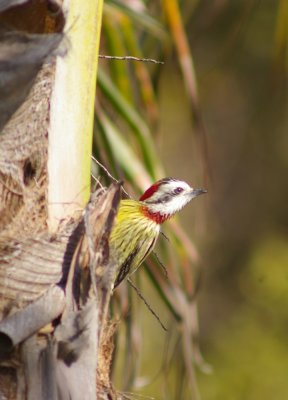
point(170, 207)
point(166, 191)
point(166, 200)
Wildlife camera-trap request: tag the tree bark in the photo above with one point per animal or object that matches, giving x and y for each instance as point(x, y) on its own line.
point(54, 287)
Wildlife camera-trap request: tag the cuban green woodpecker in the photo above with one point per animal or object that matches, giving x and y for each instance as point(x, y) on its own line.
point(137, 225)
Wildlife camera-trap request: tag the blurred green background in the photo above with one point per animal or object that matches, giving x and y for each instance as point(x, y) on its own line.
point(234, 142)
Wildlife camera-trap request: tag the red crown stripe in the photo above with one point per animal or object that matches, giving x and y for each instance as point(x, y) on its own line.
point(149, 192)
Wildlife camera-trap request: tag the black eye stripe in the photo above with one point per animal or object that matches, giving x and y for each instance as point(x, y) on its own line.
point(164, 197)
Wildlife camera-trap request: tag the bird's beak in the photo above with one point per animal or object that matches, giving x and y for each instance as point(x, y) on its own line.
point(197, 192)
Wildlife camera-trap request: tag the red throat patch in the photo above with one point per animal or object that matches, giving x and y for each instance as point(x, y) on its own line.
point(156, 217)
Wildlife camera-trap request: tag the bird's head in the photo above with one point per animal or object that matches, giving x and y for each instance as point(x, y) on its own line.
point(166, 197)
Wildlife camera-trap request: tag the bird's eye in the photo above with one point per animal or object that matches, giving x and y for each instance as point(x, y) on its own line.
point(178, 190)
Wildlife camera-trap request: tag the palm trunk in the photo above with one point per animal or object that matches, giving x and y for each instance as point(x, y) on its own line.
point(53, 300)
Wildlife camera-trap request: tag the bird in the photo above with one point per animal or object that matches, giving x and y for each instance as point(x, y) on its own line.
point(138, 223)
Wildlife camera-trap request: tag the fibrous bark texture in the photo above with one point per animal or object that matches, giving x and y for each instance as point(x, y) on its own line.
point(55, 342)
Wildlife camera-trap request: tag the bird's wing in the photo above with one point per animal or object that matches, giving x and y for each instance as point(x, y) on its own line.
point(134, 260)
